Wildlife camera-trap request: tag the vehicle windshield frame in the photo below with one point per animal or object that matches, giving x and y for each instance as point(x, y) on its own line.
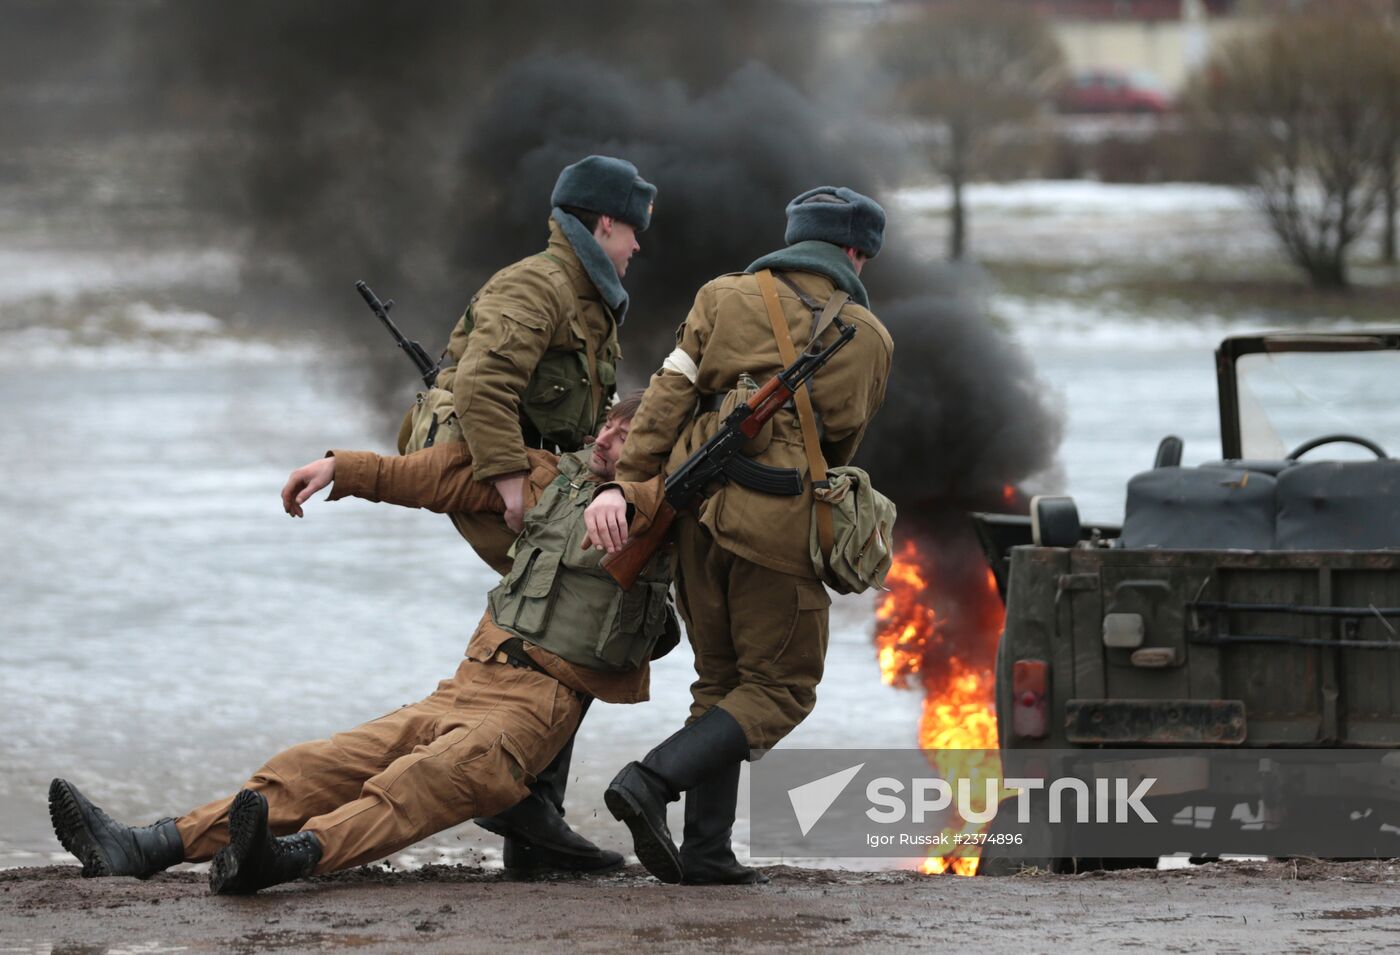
point(1231, 350)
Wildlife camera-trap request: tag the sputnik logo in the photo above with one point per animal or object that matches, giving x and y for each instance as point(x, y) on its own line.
point(810, 801)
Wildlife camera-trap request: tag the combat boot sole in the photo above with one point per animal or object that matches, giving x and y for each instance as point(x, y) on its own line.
point(70, 825)
point(655, 850)
point(247, 831)
point(104, 846)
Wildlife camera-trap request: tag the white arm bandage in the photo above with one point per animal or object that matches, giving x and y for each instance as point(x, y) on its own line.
point(682, 364)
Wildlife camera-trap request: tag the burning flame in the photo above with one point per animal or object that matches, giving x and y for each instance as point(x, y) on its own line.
point(952, 656)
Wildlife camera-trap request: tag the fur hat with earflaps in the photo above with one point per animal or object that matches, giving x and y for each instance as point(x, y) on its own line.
point(837, 215)
point(607, 186)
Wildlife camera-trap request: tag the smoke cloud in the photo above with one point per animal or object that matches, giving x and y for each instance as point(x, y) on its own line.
point(725, 162)
point(966, 414)
point(414, 145)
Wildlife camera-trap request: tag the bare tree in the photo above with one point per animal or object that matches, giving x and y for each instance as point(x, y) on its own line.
point(1390, 193)
point(1388, 49)
point(972, 67)
point(1308, 104)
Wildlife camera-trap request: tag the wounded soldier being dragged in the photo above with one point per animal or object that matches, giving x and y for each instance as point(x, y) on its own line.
point(557, 630)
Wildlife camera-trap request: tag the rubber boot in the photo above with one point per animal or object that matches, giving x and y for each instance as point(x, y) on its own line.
point(638, 795)
point(707, 858)
point(256, 859)
point(106, 847)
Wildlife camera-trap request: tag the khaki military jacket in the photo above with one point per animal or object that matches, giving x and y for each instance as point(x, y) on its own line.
point(542, 304)
point(443, 479)
point(726, 333)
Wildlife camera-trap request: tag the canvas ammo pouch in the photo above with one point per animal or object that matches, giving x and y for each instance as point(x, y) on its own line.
point(557, 596)
point(431, 421)
point(560, 401)
point(862, 522)
point(719, 407)
point(852, 539)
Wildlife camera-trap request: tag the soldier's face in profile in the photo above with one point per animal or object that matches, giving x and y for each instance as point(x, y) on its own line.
point(619, 242)
point(607, 447)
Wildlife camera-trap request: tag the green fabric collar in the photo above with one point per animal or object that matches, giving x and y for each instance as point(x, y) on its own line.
point(594, 261)
point(820, 257)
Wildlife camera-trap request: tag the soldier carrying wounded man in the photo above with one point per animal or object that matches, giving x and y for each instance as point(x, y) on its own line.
point(557, 630)
point(532, 364)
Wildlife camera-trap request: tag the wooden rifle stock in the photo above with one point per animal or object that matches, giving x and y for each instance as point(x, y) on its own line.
point(625, 565)
point(706, 464)
point(765, 403)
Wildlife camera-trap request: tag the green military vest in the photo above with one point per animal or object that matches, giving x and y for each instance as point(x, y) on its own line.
point(557, 595)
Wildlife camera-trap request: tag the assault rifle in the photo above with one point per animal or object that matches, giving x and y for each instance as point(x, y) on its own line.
point(719, 459)
point(427, 368)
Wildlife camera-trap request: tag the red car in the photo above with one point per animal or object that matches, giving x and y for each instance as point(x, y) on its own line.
point(1109, 91)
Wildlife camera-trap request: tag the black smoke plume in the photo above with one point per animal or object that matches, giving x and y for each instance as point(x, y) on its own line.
point(414, 145)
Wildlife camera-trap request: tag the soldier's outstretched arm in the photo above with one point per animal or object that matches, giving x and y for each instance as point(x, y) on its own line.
point(306, 481)
point(410, 480)
point(440, 479)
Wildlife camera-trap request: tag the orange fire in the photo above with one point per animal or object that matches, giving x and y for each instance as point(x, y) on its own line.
point(952, 655)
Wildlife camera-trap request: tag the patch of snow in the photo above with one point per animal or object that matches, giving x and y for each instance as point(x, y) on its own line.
point(1076, 197)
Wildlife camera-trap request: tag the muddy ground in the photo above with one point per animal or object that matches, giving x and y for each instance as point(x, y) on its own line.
point(1229, 907)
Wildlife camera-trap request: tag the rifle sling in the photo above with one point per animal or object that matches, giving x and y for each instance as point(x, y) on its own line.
point(811, 443)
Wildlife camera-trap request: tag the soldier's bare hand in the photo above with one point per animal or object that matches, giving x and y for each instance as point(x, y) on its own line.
point(606, 520)
point(306, 481)
point(511, 487)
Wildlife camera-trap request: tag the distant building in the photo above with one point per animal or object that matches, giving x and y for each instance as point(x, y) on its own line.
point(1159, 42)
point(1155, 43)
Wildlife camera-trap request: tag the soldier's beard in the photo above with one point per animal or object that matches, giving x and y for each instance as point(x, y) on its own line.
point(600, 468)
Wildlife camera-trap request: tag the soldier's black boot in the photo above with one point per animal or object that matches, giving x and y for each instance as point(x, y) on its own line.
point(537, 839)
point(106, 847)
point(707, 858)
point(639, 794)
point(256, 859)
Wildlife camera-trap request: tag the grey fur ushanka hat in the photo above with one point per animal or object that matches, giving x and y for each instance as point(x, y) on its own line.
point(837, 215)
point(607, 186)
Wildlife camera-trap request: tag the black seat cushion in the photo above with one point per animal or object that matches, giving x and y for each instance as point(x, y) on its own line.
point(1339, 505)
point(1201, 508)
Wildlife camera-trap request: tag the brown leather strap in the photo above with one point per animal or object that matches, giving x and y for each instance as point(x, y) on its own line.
point(811, 443)
point(833, 308)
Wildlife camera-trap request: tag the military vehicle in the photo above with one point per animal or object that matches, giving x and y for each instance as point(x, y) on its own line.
point(1251, 601)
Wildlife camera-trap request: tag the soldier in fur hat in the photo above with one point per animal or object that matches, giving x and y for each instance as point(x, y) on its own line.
point(754, 606)
point(532, 364)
